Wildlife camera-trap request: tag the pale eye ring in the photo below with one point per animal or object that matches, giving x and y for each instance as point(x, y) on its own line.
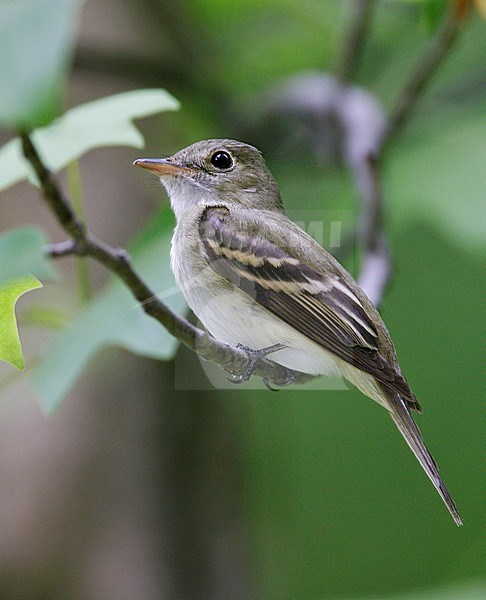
point(221, 160)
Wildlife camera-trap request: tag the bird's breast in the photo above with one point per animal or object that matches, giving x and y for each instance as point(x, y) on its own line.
point(233, 317)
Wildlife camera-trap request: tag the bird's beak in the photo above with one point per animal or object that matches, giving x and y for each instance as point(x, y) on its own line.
point(161, 166)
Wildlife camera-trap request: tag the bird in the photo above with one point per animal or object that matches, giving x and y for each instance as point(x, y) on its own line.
point(256, 280)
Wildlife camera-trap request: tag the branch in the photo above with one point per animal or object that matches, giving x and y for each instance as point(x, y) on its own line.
point(67, 248)
point(376, 267)
point(117, 260)
point(421, 76)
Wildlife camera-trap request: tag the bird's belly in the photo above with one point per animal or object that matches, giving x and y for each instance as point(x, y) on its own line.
point(234, 318)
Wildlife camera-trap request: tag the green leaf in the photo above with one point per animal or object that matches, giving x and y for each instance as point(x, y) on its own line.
point(22, 252)
point(115, 319)
point(104, 122)
point(36, 43)
point(10, 292)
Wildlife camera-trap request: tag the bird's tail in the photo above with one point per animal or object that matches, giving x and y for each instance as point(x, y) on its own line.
point(408, 428)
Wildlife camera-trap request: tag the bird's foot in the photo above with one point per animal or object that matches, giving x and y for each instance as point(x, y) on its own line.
point(254, 358)
point(289, 378)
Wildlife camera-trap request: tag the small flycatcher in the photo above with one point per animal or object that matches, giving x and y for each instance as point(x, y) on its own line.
point(256, 279)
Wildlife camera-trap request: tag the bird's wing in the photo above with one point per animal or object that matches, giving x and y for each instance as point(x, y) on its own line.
point(322, 307)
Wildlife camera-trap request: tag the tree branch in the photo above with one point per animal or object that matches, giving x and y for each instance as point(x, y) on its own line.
point(421, 76)
point(117, 260)
point(67, 248)
point(376, 266)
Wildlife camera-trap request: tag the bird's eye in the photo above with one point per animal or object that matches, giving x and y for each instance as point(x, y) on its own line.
point(221, 160)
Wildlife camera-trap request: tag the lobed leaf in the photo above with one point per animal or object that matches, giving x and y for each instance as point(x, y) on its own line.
point(103, 122)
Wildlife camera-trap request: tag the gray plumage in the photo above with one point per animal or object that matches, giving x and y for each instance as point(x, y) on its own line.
point(255, 278)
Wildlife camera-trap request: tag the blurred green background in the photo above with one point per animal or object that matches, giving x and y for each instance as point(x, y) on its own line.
point(136, 488)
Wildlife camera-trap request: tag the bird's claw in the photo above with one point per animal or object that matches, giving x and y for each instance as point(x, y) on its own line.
point(290, 378)
point(254, 358)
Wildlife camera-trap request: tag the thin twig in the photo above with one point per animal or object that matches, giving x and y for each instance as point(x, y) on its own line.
point(422, 74)
point(376, 266)
point(353, 39)
point(118, 261)
point(60, 249)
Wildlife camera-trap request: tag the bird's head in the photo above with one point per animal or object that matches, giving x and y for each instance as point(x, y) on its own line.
point(213, 172)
